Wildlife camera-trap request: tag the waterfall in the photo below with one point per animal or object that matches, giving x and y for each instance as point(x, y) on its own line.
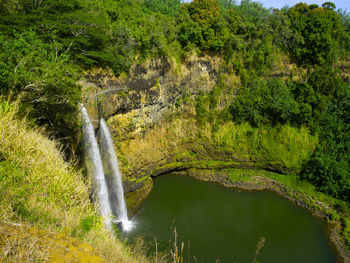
point(113, 177)
point(95, 168)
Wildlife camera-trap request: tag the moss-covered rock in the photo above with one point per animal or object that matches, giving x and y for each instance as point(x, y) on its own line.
point(135, 198)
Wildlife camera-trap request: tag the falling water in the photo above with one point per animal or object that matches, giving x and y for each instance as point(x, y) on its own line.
point(95, 168)
point(113, 177)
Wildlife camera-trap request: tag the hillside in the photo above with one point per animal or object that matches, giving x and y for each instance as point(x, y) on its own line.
point(46, 213)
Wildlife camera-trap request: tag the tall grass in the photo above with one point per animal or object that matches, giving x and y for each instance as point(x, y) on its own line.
point(36, 184)
point(37, 188)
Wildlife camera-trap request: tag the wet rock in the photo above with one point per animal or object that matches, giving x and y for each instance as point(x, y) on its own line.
point(130, 186)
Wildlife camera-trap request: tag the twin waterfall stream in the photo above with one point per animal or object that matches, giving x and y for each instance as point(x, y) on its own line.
point(106, 177)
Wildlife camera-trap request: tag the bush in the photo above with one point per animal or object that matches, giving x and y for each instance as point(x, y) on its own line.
point(263, 102)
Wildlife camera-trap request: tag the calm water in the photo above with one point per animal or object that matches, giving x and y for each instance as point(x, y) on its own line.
point(219, 223)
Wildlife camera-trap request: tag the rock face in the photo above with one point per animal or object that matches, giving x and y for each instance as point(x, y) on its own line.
point(146, 97)
point(151, 113)
point(136, 103)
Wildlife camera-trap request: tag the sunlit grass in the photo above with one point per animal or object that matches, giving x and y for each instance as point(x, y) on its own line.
point(282, 145)
point(38, 188)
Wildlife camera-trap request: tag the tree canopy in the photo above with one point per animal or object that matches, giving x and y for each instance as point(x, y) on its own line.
point(316, 32)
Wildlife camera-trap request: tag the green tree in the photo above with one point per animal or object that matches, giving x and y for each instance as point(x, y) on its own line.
point(307, 99)
point(226, 4)
point(203, 12)
point(166, 7)
point(82, 32)
point(202, 24)
point(326, 81)
point(252, 12)
point(345, 37)
point(190, 33)
point(316, 32)
point(280, 28)
point(329, 5)
point(42, 76)
point(265, 102)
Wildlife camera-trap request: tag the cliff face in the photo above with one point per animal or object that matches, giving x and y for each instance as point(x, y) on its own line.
point(135, 103)
point(139, 106)
point(152, 116)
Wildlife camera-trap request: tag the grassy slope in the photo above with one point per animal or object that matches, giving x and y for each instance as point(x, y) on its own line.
point(37, 188)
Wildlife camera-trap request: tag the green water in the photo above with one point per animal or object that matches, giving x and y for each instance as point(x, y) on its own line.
point(219, 223)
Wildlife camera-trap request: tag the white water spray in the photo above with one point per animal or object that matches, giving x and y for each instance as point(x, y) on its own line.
point(113, 177)
point(94, 166)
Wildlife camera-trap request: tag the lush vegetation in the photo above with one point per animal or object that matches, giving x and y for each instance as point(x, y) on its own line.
point(291, 66)
point(328, 167)
point(42, 76)
point(45, 44)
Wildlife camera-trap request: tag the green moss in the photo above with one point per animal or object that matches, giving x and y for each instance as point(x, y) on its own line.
point(142, 179)
point(282, 146)
point(239, 175)
point(185, 155)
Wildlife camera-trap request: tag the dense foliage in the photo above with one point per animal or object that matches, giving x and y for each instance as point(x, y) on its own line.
point(44, 79)
point(264, 102)
point(329, 166)
point(44, 45)
point(316, 33)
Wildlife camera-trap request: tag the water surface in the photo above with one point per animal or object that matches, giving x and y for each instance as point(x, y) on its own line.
point(219, 223)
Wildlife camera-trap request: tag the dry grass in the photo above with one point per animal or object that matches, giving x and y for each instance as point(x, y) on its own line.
point(35, 174)
point(20, 243)
point(18, 246)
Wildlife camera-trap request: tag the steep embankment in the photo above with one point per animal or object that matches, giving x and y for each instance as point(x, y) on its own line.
point(46, 214)
point(169, 117)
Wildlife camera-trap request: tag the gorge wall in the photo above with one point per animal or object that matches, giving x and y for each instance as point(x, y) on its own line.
point(139, 106)
point(152, 114)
